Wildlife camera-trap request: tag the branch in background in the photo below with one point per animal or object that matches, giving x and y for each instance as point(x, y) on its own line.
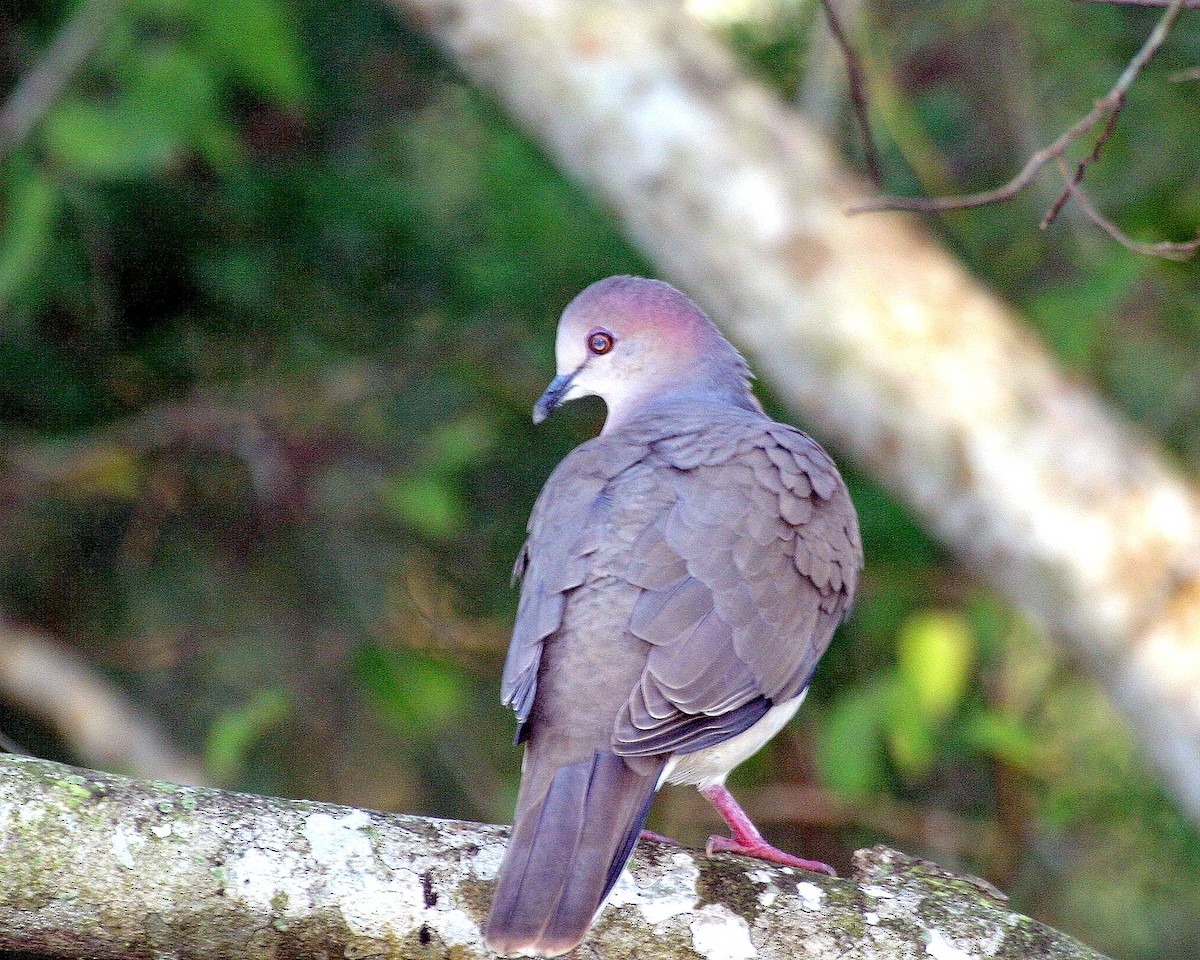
point(93, 865)
point(40, 88)
point(1168, 249)
point(1184, 76)
point(424, 614)
point(858, 96)
point(1106, 109)
point(244, 428)
point(93, 717)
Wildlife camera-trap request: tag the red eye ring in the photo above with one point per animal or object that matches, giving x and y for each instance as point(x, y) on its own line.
point(600, 342)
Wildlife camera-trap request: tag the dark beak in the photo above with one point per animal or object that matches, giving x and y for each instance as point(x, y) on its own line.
point(552, 397)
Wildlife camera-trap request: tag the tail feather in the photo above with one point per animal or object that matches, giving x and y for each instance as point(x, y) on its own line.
point(566, 853)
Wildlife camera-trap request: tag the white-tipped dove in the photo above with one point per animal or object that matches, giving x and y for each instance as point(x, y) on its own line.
point(683, 574)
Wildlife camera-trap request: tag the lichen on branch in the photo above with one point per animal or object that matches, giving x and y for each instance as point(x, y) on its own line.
point(96, 865)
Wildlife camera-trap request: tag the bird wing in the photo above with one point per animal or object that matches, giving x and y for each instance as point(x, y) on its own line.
point(566, 527)
point(744, 580)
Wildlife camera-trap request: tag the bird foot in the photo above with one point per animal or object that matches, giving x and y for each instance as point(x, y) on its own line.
point(764, 851)
point(651, 835)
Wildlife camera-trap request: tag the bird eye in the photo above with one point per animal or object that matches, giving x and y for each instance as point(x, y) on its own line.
point(600, 342)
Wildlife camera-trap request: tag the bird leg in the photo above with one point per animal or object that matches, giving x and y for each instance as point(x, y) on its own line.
point(651, 835)
point(746, 839)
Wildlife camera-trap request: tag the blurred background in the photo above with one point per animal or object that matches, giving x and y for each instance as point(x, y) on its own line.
point(277, 293)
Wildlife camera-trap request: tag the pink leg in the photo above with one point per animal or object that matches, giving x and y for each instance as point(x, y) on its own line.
point(651, 835)
point(746, 839)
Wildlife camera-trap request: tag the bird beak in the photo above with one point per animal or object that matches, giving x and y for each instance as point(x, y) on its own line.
point(553, 396)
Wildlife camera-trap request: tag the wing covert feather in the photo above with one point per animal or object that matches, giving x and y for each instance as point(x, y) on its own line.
point(769, 541)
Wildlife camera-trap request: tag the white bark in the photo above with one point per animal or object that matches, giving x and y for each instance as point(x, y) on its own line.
point(885, 346)
point(98, 866)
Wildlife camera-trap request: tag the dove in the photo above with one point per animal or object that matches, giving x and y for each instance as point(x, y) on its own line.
point(683, 573)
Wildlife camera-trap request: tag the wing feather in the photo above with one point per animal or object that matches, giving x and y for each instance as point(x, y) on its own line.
point(769, 544)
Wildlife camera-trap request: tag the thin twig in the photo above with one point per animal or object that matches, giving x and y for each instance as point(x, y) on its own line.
point(1183, 76)
point(42, 85)
point(1102, 110)
point(1082, 165)
point(858, 97)
point(1167, 249)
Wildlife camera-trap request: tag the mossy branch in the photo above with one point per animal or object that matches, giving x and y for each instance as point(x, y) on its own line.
point(97, 865)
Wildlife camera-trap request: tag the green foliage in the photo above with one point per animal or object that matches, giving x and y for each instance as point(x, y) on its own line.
point(915, 715)
point(259, 41)
point(31, 207)
point(235, 733)
point(850, 752)
point(935, 654)
point(426, 502)
point(416, 694)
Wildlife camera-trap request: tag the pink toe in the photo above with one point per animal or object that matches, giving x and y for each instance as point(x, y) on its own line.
point(765, 851)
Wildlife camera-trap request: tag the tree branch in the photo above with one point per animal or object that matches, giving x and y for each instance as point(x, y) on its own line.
point(1074, 180)
point(41, 87)
point(1167, 249)
point(1187, 4)
point(95, 720)
point(98, 866)
point(1106, 109)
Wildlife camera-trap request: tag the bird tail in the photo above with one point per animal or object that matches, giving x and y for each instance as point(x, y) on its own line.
point(566, 852)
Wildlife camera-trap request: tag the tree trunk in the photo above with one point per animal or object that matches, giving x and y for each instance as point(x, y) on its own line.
point(99, 866)
point(877, 337)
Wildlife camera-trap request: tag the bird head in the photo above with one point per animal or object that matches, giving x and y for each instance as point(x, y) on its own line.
point(631, 341)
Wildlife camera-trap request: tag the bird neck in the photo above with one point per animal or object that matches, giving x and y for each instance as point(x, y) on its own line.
point(623, 409)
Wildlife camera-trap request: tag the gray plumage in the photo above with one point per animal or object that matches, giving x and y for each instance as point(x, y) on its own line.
point(683, 574)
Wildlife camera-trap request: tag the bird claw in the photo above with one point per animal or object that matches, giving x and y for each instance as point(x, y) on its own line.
point(651, 835)
point(764, 851)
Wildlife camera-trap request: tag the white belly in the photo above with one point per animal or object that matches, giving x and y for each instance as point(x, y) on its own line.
point(711, 766)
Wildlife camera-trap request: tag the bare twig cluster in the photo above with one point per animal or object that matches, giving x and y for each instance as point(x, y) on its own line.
point(1106, 111)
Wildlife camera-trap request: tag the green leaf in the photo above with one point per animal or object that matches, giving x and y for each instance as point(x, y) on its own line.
point(104, 470)
point(261, 44)
point(850, 755)
point(235, 733)
point(174, 91)
point(935, 653)
point(424, 502)
point(107, 142)
point(462, 442)
point(911, 735)
point(414, 692)
point(30, 216)
point(1001, 737)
